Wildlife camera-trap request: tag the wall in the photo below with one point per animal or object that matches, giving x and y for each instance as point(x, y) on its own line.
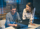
point(36, 4)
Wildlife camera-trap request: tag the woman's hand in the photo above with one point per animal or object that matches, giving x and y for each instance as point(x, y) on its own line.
point(32, 24)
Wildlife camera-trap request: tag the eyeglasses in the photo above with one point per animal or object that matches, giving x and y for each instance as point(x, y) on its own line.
point(13, 10)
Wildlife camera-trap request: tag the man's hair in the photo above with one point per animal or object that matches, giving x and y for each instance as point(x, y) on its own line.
point(12, 7)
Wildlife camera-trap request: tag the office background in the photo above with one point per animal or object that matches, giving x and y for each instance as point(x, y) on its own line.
point(21, 4)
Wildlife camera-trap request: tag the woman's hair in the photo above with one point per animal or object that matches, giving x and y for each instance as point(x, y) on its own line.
point(30, 5)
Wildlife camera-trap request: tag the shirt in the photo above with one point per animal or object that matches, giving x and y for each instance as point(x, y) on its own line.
point(12, 18)
point(28, 15)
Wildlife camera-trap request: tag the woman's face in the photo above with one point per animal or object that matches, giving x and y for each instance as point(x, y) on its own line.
point(28, 8)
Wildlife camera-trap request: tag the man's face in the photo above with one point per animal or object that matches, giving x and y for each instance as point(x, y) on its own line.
point(13, 10)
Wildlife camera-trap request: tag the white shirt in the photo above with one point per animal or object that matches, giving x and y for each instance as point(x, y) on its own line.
point(28, 15)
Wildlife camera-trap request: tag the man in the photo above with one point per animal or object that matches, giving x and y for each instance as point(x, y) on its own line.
point(11, 17)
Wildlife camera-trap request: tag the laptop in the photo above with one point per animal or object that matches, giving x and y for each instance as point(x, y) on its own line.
point(25, 22)
point(22, 24)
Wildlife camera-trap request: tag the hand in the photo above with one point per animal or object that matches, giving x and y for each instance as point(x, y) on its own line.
point(15, 25)
point(11, 24)
point(33, 24)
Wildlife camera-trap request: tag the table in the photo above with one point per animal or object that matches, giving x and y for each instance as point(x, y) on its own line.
point(10, 27)
point(2, 22)
point(29, 27)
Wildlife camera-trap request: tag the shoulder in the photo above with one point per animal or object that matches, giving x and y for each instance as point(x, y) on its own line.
point(34, 10)
point(24, 10)
point(8, 13)
point(17, 13)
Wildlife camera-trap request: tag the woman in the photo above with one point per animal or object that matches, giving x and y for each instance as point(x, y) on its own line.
point(29, 12)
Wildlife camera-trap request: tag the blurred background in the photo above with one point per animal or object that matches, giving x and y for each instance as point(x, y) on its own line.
point(21, 4)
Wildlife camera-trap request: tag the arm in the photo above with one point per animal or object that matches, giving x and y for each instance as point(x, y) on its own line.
point(13, 25)
point(24, 16)
point(32, 17)
point(31, 20)
point(8, 22)
point(18, 17)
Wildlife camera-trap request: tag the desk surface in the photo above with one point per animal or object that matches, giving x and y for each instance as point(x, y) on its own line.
point(10, 27)
point(29, 27)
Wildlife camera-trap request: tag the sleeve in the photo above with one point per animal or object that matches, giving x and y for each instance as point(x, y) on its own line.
point(24, 16)
point(32, 15)
point(18, 17)
point(7, 20)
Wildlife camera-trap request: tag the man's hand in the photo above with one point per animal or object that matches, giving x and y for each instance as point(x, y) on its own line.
point(13, 25)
